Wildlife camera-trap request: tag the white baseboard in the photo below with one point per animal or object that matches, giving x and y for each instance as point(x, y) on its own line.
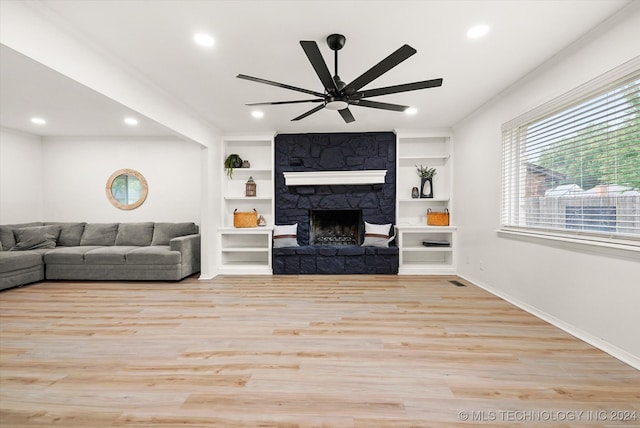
point(614, 351)
point(207, 276)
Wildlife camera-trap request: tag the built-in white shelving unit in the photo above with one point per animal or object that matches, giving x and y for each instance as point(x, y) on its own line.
point(247, 250)
point(432, 149)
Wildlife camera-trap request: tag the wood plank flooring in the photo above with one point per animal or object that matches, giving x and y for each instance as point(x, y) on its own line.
point(296, 351)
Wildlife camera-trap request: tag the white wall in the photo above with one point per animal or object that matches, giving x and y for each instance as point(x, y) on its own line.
point(76, 171)
point(593, 296)
point(21, 177)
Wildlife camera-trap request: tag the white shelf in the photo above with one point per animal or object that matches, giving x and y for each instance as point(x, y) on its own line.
point(428, 249)
point(247, 198)
point(294, 178)
point(250, 171)
point(243, 251)
point(423, 158)
point(431, 149)
point(425, 229)
point(246, 230)
point(422, 200)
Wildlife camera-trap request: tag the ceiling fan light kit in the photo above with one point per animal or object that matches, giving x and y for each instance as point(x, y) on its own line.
point(337, 94)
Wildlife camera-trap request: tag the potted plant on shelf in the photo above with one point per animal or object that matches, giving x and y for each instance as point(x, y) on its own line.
point(426, 180)
point(232, 161)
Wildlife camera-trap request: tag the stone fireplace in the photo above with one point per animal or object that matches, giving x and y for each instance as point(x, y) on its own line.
point(326, 245)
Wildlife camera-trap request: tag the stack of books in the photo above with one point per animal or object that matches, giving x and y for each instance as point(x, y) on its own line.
point(436, 243)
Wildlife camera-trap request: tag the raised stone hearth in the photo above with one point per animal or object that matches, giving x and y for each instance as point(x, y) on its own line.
point(375, 202)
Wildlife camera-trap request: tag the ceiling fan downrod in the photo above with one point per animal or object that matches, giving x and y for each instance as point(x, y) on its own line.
point(336, 42)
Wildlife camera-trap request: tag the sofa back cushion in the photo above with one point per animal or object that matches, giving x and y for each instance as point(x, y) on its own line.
point(6, 233)
point(70, 233)
point(99, 234)
point(138, 234)
point(35, 238)
point(165, 232)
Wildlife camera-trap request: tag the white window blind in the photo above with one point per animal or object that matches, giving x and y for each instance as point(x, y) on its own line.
point(572, 166)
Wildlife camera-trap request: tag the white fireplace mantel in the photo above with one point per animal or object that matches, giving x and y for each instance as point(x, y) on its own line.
point(311, 178)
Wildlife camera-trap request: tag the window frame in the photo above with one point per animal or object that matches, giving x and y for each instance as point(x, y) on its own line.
point(512, 152)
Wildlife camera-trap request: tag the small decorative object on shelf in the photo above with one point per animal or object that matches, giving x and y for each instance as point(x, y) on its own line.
point(426, 180)
point(261, 220)
point(245, 219)
point(415, 193)
point(250, 187)
point(246, 164)
point(232, 161)
point(435, 218)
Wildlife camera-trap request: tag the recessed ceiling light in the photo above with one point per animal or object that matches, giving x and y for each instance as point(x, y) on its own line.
point(203, 39)
point(38, 121)
point(411, 110)
point(257, 114)
point(477, 31)
point(131, 121)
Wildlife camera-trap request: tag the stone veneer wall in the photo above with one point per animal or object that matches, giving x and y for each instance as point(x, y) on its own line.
point(335, 152)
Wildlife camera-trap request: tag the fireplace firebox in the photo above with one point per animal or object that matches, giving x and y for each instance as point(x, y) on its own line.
point(335, 227)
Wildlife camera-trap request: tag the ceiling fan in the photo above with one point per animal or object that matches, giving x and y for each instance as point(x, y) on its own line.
point(338, 95)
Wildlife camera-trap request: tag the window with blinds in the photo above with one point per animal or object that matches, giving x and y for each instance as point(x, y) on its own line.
point(572, 166)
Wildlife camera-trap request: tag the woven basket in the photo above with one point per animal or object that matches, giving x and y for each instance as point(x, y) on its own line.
point(438, 218)
point(245, 219)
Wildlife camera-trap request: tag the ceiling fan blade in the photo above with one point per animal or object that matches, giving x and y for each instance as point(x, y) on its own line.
point(315, 57)
point(402, 88)
point(346, 115)
point(380, 68)
point(313, 110)
point(315, 100)
point(383, 106)
point(279, 85)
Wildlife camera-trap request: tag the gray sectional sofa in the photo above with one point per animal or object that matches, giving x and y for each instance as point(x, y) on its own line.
point(32, 252)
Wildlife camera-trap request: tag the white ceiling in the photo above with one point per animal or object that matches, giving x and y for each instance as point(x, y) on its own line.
point(261, 38)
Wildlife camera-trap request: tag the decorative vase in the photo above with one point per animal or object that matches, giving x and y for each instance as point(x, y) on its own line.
point(426, 187)
point(415, 193)
point(237, 162)
point(246, 164)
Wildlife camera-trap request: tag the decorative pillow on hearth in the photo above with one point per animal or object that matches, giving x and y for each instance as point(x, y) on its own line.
point(377, 235)
point(285, 236)
point(35, 238)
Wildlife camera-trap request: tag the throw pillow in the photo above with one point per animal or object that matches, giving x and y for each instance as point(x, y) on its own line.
point(6, 233)
point(99, 234)
point(34, 238)
point(285, 236)
point(165, 232)
point(138, 234)
point(70, 233)
point(376, 235)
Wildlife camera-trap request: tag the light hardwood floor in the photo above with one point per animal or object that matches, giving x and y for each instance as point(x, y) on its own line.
point(296, 351)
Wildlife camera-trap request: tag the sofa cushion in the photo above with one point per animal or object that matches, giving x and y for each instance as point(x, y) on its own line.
point(155, 255)
point(138, 234)
point(68, 255)
point(114, 255)
point(70, 233)
point(99, 234)
point(165, 232)
point(6, 233)
point(12, 261)
point(33, 238)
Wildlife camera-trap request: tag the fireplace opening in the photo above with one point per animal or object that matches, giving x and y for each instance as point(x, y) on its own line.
point(335, 227)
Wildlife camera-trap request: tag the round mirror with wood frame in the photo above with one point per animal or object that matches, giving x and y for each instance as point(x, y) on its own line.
point(127, 189)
